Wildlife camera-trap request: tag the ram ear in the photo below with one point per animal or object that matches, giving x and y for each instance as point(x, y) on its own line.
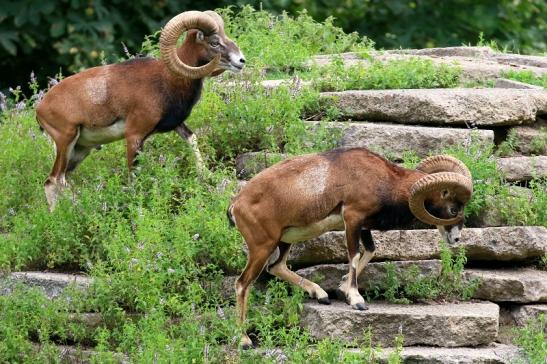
point(200, 37)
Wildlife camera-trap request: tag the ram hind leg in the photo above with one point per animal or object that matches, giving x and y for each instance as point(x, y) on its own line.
point(279, 269)
point(256, 261)
point(64, 147)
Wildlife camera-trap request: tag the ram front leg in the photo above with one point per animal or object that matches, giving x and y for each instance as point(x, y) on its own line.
point(349, 290)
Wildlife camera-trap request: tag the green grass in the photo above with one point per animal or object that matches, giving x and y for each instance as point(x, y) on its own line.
point(394, 74)
point(527, 77)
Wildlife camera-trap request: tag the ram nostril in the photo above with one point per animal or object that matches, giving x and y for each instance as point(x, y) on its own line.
point(242, 60)
point(456, 239)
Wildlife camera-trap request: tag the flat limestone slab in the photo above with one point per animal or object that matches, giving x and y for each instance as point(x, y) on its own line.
point(506, 83)
point(510, 285)
point(529, 140)
point(329, 276)
point(476, 63)
point(52, 284)
point(447, 325)
point(523, 168)
point(491, 354)
point(394, 140)
point(522, 314)
point(447, 107)
point(510, 243)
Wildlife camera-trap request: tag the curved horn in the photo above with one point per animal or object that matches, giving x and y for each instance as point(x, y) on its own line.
point(170, 35)
point(218, 19)
point(443, 163)
point(455, 182)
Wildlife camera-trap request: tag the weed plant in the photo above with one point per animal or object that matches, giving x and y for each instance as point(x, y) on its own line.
point(527, 77)
point(394, 74)
point(532, 340)
point(411, 285)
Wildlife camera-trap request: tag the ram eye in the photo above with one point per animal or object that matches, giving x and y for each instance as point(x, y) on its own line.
point(454, 211)
point(214, 44)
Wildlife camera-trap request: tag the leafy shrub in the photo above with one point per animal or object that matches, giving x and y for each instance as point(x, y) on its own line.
point(284, 42)
point(532, 340)
point(412, 285)
point(395, 74)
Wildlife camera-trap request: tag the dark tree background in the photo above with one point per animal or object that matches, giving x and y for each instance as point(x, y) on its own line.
point(46, 36)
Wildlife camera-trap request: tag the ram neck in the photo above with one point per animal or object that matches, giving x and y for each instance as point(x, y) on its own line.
point(402, 189)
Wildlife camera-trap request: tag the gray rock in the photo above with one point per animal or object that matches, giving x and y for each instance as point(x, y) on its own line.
point(506, 83)
point(447, 325)
point(394, 141)
point(529, 140)
point(329, 276)
point(477, 52)
point(523, 314)
point(52, 284)
point(491, 354)
point(523, 168)
point(511, 243)
point(476, 64)
point(80, 355)
point(510, 285)
point(471, 107)
point(520, 59)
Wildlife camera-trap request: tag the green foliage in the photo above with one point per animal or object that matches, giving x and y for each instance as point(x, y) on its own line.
point(515, 25)
point(528, 208)
point(411, 285)
point(284, 42)
point(244, 116)
point(27, 314)
point(395, 74)
point(527, 77)
point(532, 340)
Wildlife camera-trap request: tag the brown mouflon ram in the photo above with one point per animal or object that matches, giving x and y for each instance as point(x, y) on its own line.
point(136, 98)
point(353, 190)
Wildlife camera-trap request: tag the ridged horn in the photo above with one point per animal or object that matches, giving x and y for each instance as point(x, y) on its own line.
point(443, 163)
point(170, 35)
point(218, 20)
point(461, 185)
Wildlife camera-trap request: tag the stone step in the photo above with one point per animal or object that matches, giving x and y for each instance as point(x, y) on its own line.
point(394, 140)
point(52, 284)
point(329, 276)
point(491, 354)
point(507, 83)
point(445, 325)
point(523, 168)
point(521, 314)
point(528, 140)
point(81, 355)
point(511, 243)
point(510, 285)
point(447, 107)
point(476, 64)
